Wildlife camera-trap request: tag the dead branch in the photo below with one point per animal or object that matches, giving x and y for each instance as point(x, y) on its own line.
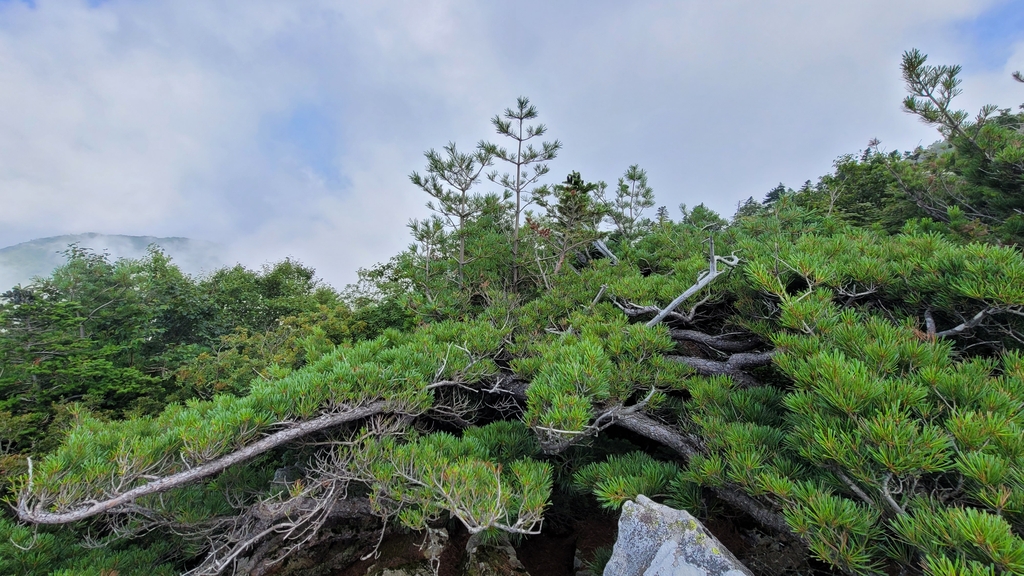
point(960, 328)
point(633, 311)
point(603, 249)
point(703, 279)
point(722, 343)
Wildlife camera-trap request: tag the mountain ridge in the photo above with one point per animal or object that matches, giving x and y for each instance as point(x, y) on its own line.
point(20, 263)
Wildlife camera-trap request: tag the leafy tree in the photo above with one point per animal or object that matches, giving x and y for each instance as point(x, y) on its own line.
point(85, 334)
point(255, 300)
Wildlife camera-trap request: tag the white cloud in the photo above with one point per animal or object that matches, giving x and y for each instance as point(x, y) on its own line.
point(173, 118)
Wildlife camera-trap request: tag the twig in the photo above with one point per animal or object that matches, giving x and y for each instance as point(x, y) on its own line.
point(600, 294)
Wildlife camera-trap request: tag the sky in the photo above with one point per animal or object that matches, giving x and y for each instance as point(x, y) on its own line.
point(290, 128)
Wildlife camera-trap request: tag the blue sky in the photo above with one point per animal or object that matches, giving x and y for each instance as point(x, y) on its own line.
point(992, 35)
point(290, 128)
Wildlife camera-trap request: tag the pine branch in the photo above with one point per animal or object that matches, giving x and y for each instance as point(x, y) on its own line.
point(38, 515)
point(688, 448)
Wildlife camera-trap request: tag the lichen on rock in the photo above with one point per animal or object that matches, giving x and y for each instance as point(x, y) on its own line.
point(655, 540)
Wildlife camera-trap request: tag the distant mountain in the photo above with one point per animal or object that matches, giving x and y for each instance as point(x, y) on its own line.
point(22, 262)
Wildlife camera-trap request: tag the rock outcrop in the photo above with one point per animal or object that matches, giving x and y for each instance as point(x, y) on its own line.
point(655, 540)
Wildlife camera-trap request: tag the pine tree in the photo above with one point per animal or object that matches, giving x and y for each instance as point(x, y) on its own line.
point(854, 388)
point(529, 163)
point(448, 180)
point(632, 197)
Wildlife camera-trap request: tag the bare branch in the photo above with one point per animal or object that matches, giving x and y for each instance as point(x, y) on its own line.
point(721, 343)
point(600, 294)
point(703, 280)
point(633, 311)
point(967, 325)
point(888, 496)
point(852, 486)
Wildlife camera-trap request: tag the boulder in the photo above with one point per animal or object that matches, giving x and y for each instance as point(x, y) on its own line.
point(655, 540)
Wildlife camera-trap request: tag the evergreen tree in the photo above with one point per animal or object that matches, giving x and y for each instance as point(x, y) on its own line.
point(982, 172)
point(851, 386)
point(529, 163)
point(632, 197)
point(448, 180)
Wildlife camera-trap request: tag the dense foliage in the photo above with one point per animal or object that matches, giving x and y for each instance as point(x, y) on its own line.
point(850, 377)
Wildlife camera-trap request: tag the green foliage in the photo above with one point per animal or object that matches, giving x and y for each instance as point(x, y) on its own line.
point(256, 300)
point(622, 478)
point(632, 197)
point(573, 211)
point(886, 433)
point(838, 531)
point(113, 335)
point(40, 553)
point(527, 164)
point(602, 556)
point(879, 413)
point(291, 344)
point(986, 160)
point(966, 537)
point(448, 181)
point(487, 479)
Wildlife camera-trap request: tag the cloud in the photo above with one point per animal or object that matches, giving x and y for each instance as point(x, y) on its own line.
point(290, 128)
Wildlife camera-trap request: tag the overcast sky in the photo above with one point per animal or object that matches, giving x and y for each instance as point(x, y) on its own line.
point(284, 128)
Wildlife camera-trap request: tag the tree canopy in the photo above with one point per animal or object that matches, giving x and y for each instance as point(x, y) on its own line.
point(841, 364)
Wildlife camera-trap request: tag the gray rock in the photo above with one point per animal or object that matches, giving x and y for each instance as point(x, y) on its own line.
point(285, 476)
point(493, 560)
point(655, 540)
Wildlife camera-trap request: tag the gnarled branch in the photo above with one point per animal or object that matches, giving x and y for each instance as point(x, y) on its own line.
point(38, 515)
point(688, 447)
point(703, 280)
point(733, 367)
point(722, 343)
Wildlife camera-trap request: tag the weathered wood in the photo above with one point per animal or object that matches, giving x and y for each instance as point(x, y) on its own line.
point(38, 515)
point(703, 280)
point(721, 343)
point(688, 447)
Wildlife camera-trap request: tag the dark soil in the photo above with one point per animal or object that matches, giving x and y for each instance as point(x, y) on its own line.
point(577, 530)
point(395, 550)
